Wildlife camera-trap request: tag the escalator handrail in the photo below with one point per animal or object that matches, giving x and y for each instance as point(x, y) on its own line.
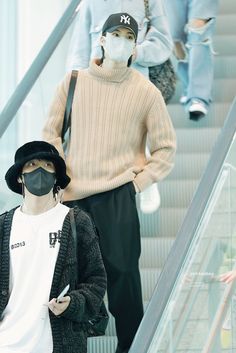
point(180, 248)
point(25, 85)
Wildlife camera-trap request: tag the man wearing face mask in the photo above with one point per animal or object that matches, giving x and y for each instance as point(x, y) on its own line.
point(38, 260)
point(114, 109)
point(153, 47)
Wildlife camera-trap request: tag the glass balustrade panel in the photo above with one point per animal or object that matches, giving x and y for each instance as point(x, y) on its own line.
point(201, 312)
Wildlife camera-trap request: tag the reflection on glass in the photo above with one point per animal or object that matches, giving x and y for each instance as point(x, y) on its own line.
point(201, 313)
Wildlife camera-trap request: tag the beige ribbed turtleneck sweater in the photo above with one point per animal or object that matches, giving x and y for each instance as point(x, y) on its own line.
point(113, 111)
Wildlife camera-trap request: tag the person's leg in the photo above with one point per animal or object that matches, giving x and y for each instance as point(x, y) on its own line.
point(176, 11)
point(199, 29)
point(115, 216)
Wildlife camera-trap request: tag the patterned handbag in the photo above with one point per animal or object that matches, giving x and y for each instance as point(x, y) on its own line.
point(163, 75)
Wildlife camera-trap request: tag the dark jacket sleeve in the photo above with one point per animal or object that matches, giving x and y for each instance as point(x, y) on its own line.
point(2, 218)
point(86, 299)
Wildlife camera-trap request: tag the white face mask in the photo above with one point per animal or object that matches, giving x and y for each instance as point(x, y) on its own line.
point(118, 48)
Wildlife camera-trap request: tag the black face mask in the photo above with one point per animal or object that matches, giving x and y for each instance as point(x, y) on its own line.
point(39, 182)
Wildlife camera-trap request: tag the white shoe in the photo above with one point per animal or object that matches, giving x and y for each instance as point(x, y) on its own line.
point(197, 110)
point(183, 100)
point(150, 199)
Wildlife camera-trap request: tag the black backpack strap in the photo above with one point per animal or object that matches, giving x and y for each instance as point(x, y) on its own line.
point(73, 226)
point(147, 13)
point(67, 115)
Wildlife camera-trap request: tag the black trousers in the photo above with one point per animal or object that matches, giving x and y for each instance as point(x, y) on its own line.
point(116, 219)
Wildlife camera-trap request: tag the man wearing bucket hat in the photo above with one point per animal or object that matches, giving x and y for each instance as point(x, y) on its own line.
point(38, 260)
point(114, 109)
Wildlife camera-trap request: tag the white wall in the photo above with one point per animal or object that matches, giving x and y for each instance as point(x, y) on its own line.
point(24, 27)
point(8, 30)
point(36, 20)
point(8, 47)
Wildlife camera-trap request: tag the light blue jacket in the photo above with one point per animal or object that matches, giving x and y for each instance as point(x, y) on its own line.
point(153, 47)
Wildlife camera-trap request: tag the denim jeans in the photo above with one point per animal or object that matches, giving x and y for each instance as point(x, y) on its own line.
point(196, 69)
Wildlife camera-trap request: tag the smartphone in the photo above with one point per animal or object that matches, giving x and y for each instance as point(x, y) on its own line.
point(65, 290)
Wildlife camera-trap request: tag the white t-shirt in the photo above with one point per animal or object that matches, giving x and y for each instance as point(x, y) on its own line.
point(34, 246)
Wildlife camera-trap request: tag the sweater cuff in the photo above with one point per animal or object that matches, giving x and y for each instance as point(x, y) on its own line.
point(72, 308)
point(142, 181)
point(136, 187)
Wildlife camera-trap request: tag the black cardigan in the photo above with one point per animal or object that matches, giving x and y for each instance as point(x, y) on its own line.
point(86, 276)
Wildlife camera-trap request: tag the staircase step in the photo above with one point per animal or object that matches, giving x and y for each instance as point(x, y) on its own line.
point(227, 7)
point(163, 223)
point(180, 193)
point(224, 66)
point(177, 193)
point(149, 224)
point(102, 344)
point(225, 23)
point(224, 90)
point(170, 220)
point(215, 117)
point(196, 141)
point(155, 251)
point(111, 328)
point(225, 44)
point(188, 166)
point(149, 277)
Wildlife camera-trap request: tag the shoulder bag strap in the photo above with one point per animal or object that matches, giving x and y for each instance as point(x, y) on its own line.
point(67, 115)
point(147, 14)
point(73, 226)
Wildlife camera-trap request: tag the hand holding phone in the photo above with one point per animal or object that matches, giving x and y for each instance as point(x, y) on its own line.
point(61, 295)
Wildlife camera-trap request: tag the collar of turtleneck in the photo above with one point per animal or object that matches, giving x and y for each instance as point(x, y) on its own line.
point(112, 75)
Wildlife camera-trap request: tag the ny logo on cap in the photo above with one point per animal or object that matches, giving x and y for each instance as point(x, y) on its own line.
point(125, 19)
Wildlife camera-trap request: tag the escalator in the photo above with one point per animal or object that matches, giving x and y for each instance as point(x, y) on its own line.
point(189, 310)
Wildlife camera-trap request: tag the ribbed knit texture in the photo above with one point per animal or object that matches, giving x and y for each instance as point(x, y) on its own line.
point(112, 112)
point(86, 277)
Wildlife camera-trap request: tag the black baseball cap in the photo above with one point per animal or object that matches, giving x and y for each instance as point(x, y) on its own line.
point(121, 19)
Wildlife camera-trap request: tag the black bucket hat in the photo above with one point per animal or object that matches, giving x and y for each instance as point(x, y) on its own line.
point(36, 150)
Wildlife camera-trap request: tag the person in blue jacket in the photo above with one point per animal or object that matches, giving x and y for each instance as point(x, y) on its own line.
point(152, 48)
